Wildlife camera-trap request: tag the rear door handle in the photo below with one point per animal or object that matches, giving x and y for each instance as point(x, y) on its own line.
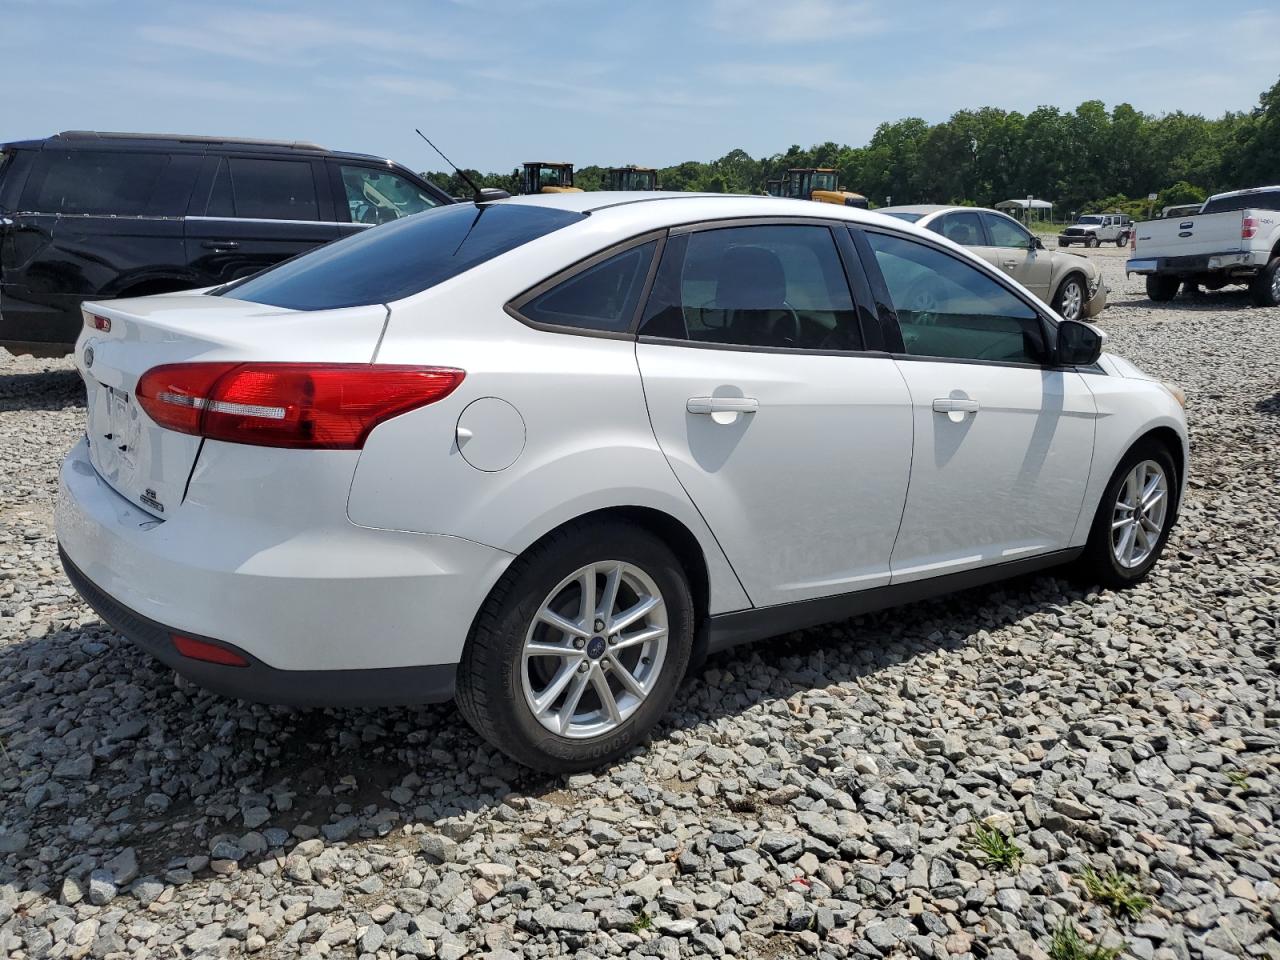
point(221, 245)
point(709, 405)
point(1010, 263)
point(955, 405)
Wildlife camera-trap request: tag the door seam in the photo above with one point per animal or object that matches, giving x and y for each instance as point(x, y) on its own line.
point(911, 465)
point(688, 496)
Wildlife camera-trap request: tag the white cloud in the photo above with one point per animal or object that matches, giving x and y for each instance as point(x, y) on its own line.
point(273, 38)
point(796, 21)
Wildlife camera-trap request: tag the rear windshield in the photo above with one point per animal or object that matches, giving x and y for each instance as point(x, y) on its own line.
point(1263, 200)
point(399, 259)
point(902, 215)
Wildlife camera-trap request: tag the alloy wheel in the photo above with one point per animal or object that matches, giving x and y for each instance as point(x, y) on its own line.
point(595, 649)
point(1137, 519)
point(1072, 300)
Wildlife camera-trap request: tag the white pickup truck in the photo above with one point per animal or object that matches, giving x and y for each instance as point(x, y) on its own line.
point(1234, 238)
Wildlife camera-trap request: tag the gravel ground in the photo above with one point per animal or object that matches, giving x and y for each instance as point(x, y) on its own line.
point(820, 794)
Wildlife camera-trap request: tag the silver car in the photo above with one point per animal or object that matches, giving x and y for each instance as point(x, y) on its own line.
point(1069, 283)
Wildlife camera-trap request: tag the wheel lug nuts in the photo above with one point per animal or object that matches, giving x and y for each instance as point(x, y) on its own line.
point(613, 640)
point(599, 625)
point(579, 643)
point(584, 667)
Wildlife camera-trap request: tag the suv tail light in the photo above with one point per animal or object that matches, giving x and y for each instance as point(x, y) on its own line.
point(310, 406)
point(1133, 237)
point(1248, 228)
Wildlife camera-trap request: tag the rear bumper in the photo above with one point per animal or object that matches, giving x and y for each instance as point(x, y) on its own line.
point(260, 682)
point(325, 612)
point(39, 329)
point(1231, 262)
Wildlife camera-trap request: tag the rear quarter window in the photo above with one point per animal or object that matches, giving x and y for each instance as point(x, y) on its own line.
point(399, 259)
point(99, 182)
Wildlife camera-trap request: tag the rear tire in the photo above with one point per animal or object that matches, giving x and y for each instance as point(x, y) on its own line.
point(1122, 240)
point(1264, 289)
point(500, 682)
point(1125, 544)
point(1162, 288)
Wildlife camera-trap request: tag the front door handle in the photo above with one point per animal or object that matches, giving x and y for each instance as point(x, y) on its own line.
point(709, 405)
point(221, 245)
point(955, 405)
point(1010, 263)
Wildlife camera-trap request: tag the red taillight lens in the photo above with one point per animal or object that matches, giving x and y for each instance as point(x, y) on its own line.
point(1248, 228)
point(208, 652)
point(327, 406)
point(98, 323)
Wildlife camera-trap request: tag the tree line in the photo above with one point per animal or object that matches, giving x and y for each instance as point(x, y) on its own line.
point(1085, 160)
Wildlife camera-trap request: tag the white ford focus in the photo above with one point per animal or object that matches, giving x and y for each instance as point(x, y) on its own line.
point(541, 453)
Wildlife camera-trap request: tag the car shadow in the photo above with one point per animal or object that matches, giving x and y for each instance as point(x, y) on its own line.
point(174, 767)
point(1269, 405)
point(49, 390)
point(1228, 299)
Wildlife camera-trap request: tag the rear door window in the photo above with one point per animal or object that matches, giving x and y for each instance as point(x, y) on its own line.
point(100, 182)
point(963, 228)
point(264, 190)
point(758, 286)
point(401, 258)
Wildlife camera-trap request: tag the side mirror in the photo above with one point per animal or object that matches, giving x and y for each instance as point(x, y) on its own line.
point(1079, 344)
point(1036, 243)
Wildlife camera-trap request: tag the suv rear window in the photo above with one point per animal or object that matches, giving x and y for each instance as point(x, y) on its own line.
point(399, 259)
point(1264, 200)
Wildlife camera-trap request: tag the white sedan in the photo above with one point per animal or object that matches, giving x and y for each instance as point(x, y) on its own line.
point(543, 453)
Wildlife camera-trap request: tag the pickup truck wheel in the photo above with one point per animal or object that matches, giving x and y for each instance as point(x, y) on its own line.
point(1091, 242)
point(1265, 287)
point(1161, 289)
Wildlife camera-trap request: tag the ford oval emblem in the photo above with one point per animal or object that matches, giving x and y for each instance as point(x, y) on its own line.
point(1184, 233)
point(88, 355)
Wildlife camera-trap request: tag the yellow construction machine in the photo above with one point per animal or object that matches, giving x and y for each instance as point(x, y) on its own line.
point(820, 184)
point(542, 176)
point(630, 178)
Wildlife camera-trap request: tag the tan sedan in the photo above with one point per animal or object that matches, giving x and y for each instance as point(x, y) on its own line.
point(1069, 283)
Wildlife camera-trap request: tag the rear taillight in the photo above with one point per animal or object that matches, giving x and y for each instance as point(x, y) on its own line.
point(1248, 227)
point(194, 649)
point(324, 406)
point(96, 322)
point(1133, 237)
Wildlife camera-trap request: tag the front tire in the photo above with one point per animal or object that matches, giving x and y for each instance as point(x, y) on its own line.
point(1091, 242)
point(580, 647)
point(1069, 301)
point(1134, 518)
point(1264, 289)
point(1161, 289)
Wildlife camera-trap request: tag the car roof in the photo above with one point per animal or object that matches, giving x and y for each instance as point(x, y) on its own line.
point(194, 143)
point(920, 208)
point(1242, 193)
point(659, 208)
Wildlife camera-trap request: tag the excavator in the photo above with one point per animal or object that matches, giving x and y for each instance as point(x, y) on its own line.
point(542, 176)
point(630, 178)
point(820, 184)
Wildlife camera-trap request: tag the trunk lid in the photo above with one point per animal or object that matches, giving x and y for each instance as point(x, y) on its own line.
point(145, 463)
point(1190, 236)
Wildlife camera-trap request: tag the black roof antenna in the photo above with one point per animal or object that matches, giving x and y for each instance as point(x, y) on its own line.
point(482, 194)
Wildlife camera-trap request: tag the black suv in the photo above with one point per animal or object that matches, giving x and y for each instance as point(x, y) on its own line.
point(99, 215)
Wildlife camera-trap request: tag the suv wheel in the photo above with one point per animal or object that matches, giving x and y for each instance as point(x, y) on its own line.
point(1068, 303)
point(1122, 240)
point(1091, 242)
point(1134, 518)
point(579, 649)
point(1264, 289)
point(1162, 288)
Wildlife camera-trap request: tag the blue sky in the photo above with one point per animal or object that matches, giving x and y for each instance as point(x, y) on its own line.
point(611, 81)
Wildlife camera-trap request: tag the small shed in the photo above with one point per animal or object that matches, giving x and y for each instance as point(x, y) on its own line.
point(1027, 208)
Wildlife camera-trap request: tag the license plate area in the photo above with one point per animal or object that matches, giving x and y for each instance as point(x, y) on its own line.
point(114, 435)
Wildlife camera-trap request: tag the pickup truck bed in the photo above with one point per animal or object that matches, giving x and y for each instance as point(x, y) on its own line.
point(1227, 242)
